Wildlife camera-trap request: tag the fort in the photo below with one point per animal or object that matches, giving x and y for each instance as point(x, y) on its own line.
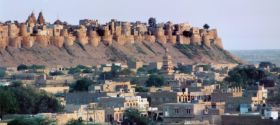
point(59, 34)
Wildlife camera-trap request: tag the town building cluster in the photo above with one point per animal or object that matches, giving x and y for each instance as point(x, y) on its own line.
point(38, 31)
point(191, 95)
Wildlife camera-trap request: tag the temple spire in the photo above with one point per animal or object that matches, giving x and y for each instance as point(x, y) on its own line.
point(41, 19)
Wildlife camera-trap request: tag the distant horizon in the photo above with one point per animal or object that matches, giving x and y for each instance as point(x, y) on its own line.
point(253, 49)
point(254, 25)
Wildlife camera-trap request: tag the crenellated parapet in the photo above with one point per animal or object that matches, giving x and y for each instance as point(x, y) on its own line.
point(90, 32)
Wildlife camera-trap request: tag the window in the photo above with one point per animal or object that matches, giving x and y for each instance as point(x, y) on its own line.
point(176, 111)
point(188, 111)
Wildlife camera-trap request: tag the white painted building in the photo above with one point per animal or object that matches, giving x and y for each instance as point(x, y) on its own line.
point(269, 113)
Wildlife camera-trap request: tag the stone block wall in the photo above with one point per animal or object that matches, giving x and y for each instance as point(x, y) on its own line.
point(3, 42)
point(43, 41)
point(150, 38)
point(94, 39)
point(27, 41)
point(57, 41)
point(69, 40)
point(15, 42)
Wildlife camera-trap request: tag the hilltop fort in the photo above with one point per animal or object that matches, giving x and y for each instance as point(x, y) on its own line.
point(89, 34)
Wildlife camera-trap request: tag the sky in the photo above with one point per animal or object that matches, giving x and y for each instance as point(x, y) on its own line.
point(242, 24)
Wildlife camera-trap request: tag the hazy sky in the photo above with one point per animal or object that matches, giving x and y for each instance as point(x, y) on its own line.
point(242, 24)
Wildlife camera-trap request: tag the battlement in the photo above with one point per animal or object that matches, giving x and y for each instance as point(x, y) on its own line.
point(90, 32)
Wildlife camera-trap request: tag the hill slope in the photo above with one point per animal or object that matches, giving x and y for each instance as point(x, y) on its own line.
point(88, 55)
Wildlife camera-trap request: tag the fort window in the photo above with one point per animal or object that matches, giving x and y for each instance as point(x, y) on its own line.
point(188, 111)
point(176, 111)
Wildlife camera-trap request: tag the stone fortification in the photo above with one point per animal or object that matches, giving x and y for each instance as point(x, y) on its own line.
point(90, 32)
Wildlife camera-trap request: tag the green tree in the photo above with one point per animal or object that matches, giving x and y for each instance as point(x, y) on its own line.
point(126, 71)
point(75, 122)
point(81, 67)
point(133, 116)
point(153, 71)
point(152, 22)
point(56, 73)
point(88, 70)
point(74, 70)
point(31, 121)
point(8, 102)
point(16, 84)
point(135, 81)
point(28, 100)
point(47, 103)
point(140, 89)
point(155, 80)
point(81, 85)
point(114, 73)
point(245, 76)
point(141, 70)
point(78, 122)
point(206, 26)
point(37, 67)
point(2, 73)
point(26, 97)
point(22, 67)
